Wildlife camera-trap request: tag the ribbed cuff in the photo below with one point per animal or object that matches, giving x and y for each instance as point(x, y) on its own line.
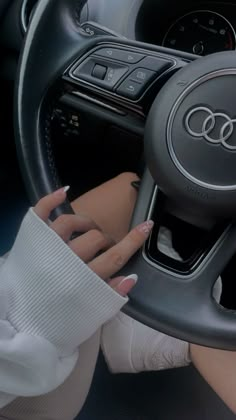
point(51, 292)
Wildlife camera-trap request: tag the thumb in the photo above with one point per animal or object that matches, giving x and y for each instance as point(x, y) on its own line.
point(123, 285)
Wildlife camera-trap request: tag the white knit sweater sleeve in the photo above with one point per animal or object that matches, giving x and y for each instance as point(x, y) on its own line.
point(50, 303)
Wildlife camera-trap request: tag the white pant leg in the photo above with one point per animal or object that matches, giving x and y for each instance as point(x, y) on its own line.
point(129, 346)
point(66, 401)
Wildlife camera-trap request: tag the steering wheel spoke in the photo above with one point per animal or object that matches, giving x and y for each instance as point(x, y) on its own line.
point(181, 304)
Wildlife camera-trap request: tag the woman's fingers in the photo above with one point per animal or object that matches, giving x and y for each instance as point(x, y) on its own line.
point(47, 204)
point(90, 244)
point(111, 261)
point(65, 225)
point(123, 285)
point(94, 241)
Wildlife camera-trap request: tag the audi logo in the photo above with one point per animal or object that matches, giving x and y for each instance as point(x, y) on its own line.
point(206, 128)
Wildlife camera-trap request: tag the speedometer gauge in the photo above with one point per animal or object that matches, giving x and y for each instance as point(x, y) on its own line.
point(201, 32)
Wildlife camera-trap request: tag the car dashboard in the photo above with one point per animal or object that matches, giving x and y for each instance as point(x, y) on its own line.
point(196, 27)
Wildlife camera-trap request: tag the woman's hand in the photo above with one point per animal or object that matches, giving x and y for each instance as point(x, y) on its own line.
point(112, 257)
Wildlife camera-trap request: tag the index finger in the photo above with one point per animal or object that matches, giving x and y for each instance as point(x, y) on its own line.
point(111, 261)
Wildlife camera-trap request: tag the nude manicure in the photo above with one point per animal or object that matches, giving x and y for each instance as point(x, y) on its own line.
point(146, 227)
point(61, 192)
point(133, 277)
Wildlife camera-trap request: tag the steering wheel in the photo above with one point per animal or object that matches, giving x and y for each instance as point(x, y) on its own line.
point(185, 107)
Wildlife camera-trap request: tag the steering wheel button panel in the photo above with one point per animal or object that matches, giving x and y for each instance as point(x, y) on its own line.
point(125, 72)
point(120, 55)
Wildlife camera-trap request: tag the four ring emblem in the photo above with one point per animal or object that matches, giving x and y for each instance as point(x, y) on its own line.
point(209, 124)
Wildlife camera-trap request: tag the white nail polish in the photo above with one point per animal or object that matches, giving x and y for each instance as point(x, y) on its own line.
point(146, 227)
point(133, 277)
point(66, 188)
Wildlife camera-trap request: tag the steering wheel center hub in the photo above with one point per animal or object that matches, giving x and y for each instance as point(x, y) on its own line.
point(194, 146)
point(201, 135)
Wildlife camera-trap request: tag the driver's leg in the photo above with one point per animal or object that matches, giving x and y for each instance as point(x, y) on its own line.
point(132, 347)
point(111, 205)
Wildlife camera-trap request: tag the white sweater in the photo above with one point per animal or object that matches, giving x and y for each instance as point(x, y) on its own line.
point(50, 303)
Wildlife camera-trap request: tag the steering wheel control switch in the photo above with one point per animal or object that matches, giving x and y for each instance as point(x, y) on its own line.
point(99, 72)
point(120, 55)
point(142, 75)
point(136, 83)
point(130, 89)
point(93, 29)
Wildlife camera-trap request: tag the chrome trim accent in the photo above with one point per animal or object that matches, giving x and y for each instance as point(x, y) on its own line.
point(97, 102)
point(207, 128)
point(184, 277)
point(23, 15)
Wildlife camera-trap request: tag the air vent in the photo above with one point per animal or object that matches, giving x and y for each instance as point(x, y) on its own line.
point(27, 9)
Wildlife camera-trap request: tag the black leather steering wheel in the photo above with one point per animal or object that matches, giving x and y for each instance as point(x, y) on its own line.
point(189, 146)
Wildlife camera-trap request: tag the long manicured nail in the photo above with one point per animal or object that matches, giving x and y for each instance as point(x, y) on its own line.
point(146, 227)
point(133, 277)
point(62, 191)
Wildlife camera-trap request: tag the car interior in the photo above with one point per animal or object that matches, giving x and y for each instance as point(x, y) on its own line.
point(133, 85)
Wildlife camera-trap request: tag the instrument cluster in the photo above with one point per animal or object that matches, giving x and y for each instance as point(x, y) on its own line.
point(194, 27)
